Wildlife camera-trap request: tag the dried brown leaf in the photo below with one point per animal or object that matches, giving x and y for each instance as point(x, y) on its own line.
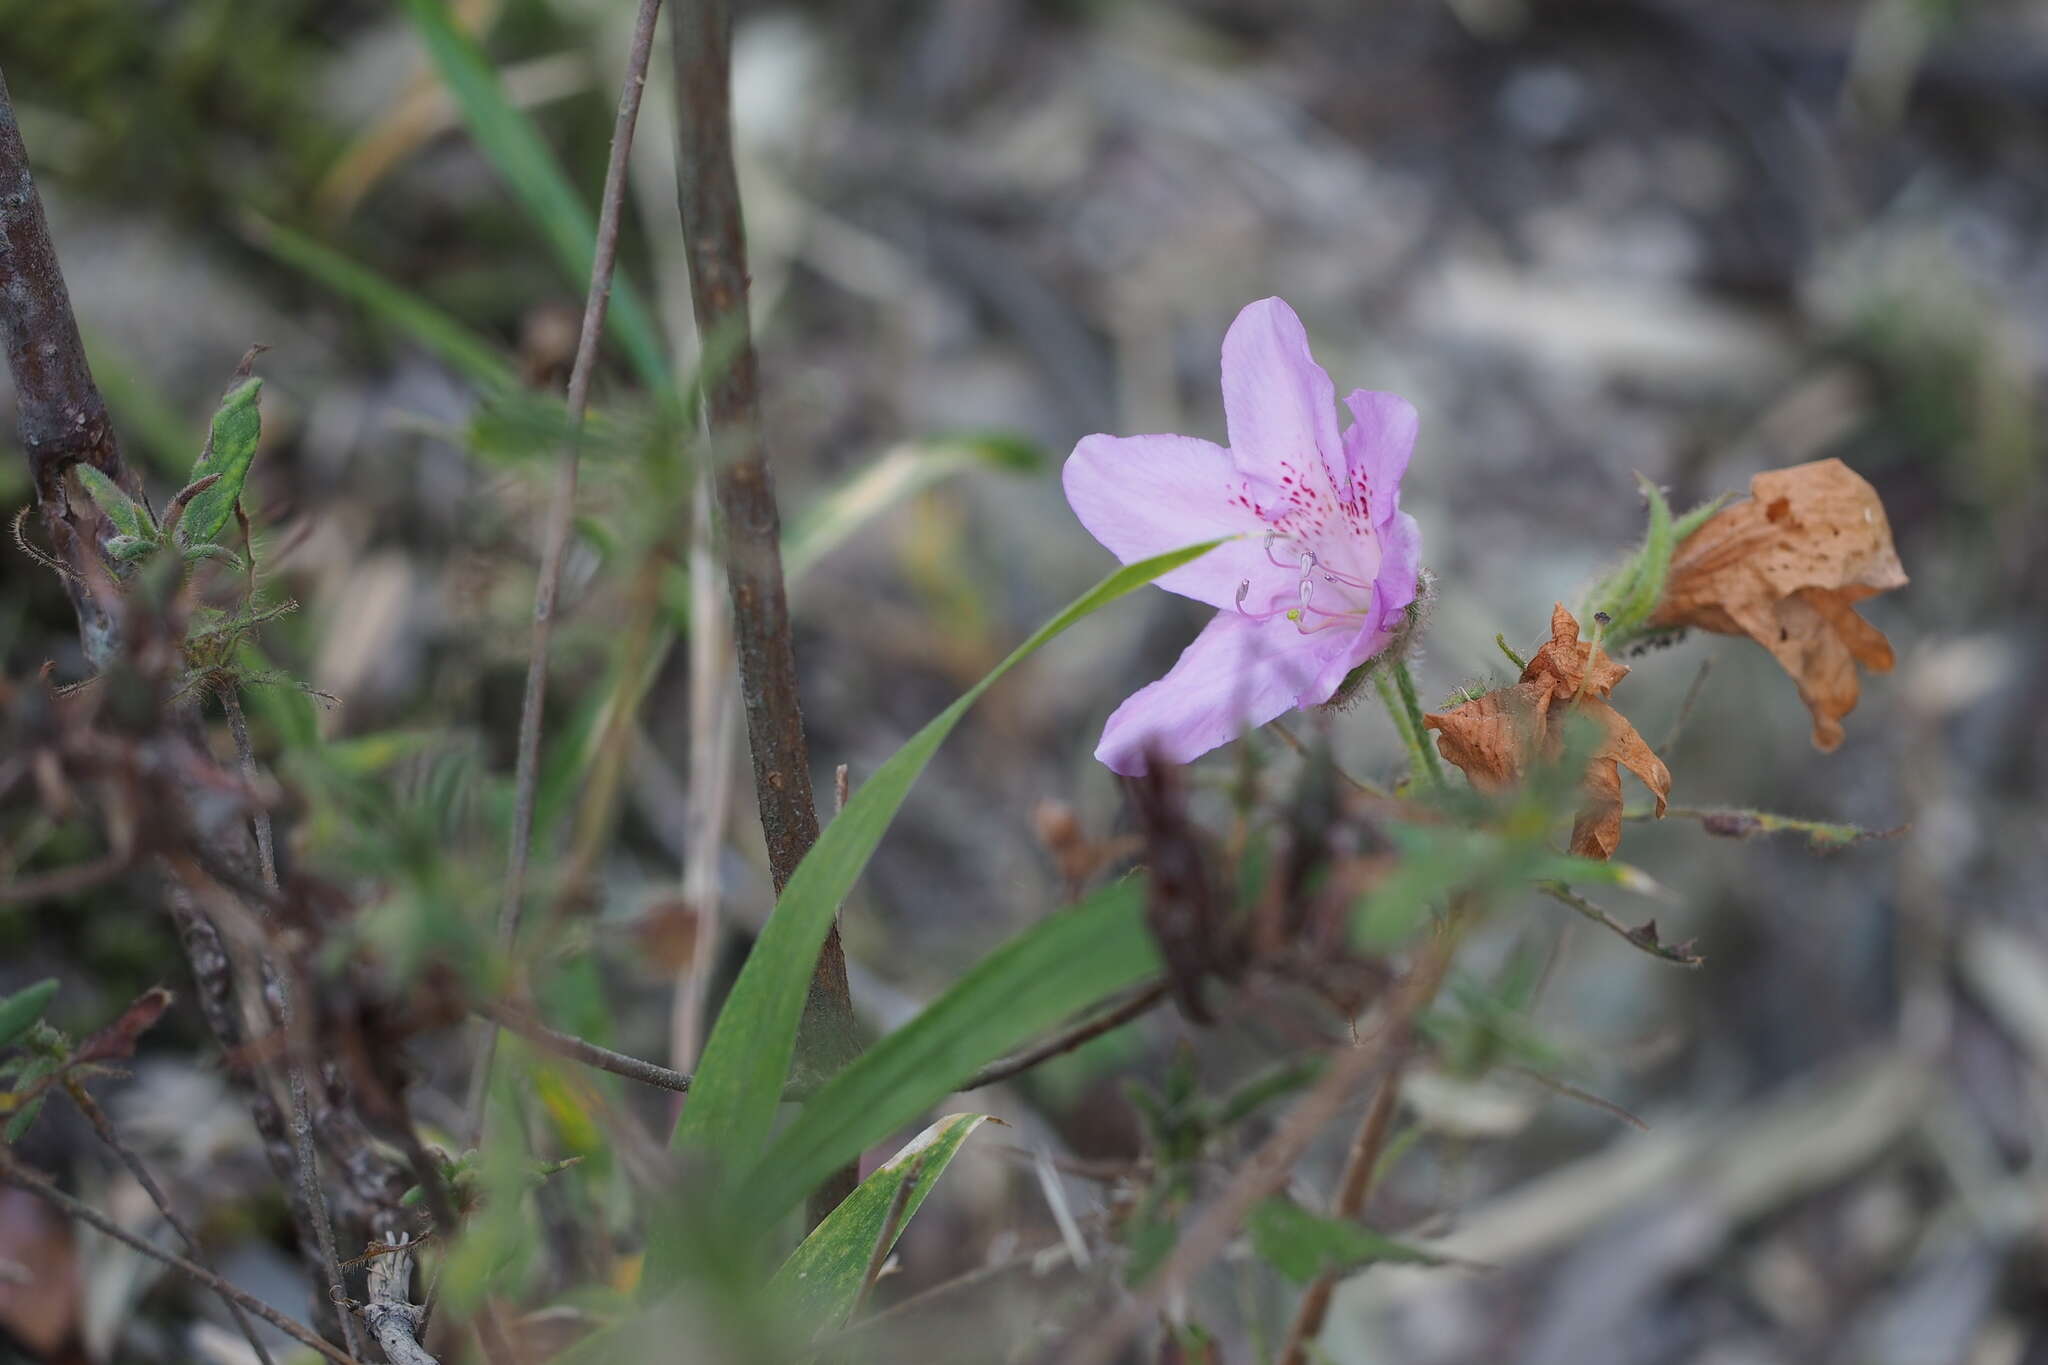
point(1785, 569)
point(117, 1040)
point(1492, 738)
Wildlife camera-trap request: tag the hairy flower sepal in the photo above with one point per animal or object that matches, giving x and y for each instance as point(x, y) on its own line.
point(1319, 562)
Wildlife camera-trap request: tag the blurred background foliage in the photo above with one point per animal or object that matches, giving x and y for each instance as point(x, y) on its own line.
point(1684, 239)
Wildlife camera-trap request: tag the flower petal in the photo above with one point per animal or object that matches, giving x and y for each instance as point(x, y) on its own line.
point(1278, 404)
point(1237, 675)
point(1400, 565)
point(1375, 628)
point(1145, 495)
point(1377, 445)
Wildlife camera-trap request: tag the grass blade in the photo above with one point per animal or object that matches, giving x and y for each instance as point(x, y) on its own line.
point(1056, 968)
point(822, 1279)
point(397, 307)
point(511, 143)
point(739, 1081)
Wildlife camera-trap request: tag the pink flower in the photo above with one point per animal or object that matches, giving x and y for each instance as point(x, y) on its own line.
point(1324, 562)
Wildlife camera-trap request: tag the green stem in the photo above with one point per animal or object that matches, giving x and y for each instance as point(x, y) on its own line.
point(1405, 681)
point(1417, 763)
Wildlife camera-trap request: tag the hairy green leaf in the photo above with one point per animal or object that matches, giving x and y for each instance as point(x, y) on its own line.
point(19, 1011)
point(130, 518)
point(230, 448)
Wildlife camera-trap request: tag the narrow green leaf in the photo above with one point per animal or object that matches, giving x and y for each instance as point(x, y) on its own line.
point(397, 307)
point(230, 448)
point(509, 140)
point(20, 1010)
point(739, 1081)
point(822, 1278)
point(897, 476)
point(1302, 1245)
point(1056, 968)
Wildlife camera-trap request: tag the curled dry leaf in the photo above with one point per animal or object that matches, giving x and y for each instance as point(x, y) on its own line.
point(1784, 568)
point(1494, 737)
point(118, 1039)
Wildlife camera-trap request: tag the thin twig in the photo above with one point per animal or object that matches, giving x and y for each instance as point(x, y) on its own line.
point(714, 242)
point(561, 515)
point(104, 1127)
point(1643, 938)
point(1360, 1166)
point(579, 1050)
point(1074, 1037)
point(1585, 1097)
point(40, 1185)
point(569, 1046)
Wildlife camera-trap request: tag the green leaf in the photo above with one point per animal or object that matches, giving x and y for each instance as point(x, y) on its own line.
point(1653, 563)
point(461, 348)
point(897, 476)
point(23, 1119)
point(129, 517)
point(1302, 1245)
point(509, 140)
point(19, 1011)
point(1631, 593)
point(739, 1081)
point(230, 448)
point(822, 1278)
point(1057, 967)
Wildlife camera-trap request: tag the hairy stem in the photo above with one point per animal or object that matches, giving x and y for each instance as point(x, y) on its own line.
point(1405, 682)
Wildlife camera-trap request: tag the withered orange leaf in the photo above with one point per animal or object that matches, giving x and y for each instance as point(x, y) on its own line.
point(1784, 568)
point(1491, 739)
